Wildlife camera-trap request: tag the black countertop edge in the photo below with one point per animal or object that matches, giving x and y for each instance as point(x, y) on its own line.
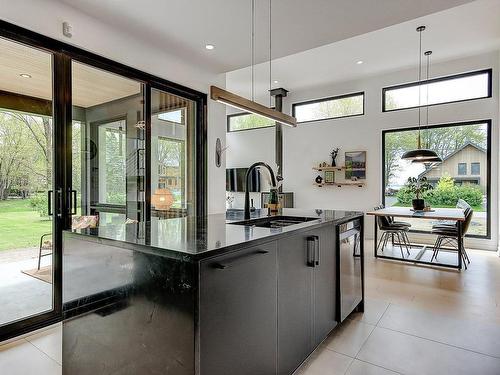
point(190, 256)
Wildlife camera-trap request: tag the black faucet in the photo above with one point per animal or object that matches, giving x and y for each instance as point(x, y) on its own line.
point(247, 184)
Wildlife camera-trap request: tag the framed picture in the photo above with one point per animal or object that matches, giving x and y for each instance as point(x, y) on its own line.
point(329, 177)
point(355, 165)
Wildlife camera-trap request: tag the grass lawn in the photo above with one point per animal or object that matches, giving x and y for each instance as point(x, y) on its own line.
point(20, 226)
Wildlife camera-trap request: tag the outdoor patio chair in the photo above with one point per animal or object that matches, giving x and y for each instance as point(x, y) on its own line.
point(77, 222)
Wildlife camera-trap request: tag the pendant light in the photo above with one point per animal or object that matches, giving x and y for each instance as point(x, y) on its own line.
point(251, 106)
point(420, 155)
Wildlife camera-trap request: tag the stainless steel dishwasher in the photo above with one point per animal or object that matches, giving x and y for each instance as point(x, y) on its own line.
point(349, 268)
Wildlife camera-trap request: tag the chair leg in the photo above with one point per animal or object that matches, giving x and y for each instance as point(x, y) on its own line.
point(437, 245)
point(406, 241)
point(382, 237)
point(384, 245)
point(400, 243)
point(40, 254)
point(465, 253)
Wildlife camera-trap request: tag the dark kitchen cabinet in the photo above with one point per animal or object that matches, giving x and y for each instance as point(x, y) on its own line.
point(306, 294)
point(238, 307)
point(324, 285)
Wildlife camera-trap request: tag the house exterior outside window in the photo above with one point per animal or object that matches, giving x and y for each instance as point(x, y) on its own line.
point(475, 169)
point(462, 169)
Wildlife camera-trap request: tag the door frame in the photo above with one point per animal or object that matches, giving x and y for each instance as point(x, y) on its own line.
point(63, 55)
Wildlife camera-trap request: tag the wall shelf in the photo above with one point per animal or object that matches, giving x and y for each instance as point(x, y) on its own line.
point(340, 184)
point(339, 168)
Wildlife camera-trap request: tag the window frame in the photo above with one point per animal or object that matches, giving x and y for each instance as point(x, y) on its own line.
point(488, 123)
point(465, 169)
point(330, 98)
point(488, 71)
point(479, 168)
point(230, 116)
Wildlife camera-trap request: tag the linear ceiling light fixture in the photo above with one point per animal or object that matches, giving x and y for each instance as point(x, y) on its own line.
point(420, 155)
point(244, 104)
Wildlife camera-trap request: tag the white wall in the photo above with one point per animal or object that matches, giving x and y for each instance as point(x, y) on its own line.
point(46, 17)
point(311, 143)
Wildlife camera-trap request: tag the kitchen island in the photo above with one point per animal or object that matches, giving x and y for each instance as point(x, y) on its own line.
point(208, 295)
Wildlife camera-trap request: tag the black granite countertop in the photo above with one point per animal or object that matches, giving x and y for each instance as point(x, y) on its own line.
point(194, 238)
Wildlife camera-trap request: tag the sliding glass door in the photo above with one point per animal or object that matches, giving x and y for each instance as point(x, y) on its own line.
point(27, 144)
point(84, 142)
point(108, 166)
point(173, 155)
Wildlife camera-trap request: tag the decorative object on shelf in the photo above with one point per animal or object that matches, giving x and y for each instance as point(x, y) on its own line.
point(418, 186)
point(421, 155)
point(162, 199)
point(319, 179)
point(329, 177)
point(355, 165)
point(334, 154)
point(354, 178)
point(273, 204)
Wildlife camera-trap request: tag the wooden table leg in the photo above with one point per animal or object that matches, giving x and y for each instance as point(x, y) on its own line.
point(459, 243)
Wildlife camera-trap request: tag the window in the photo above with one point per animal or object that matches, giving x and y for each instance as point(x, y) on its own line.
point(456, 88)
point(247, 121)
point(112, 162)
point(329, 108)
point(172, 168)
point(475, 169)
point(462, 169)
point(176, 116)
point(456, 144)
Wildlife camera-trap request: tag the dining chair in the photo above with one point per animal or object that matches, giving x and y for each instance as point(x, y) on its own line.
point(390, 230)
point(448, 235)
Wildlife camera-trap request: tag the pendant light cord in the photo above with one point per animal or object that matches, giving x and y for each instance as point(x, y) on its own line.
point(253, 47)
point(270, 52)
point(428, 54)
point(419, 87)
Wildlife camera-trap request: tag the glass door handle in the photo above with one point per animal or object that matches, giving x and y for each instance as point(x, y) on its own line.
point(73, 202)
point(49, 202)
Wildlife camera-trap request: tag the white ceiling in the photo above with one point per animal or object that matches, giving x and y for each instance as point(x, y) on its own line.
point(462, 31)
point(91, 86)
point(183, 27)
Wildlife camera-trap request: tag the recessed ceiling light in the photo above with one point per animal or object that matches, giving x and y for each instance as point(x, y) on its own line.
point(359, 62)
point(25, 75)
point(275, 81)
point(209, 47)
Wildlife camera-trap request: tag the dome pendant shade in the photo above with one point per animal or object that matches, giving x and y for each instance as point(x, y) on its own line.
point(421, 155)
point(162, 199)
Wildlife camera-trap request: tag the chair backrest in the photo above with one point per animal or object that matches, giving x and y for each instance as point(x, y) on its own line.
point(468, 218)
point(463, 204)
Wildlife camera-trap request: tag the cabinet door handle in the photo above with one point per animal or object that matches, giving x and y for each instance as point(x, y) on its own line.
point(311, 251)
point(317, 253)
point(241, 259)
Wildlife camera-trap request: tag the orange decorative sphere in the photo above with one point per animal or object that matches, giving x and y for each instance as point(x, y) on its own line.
point(162, 199)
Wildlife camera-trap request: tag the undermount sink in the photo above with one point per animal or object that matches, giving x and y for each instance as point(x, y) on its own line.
point(275, 221)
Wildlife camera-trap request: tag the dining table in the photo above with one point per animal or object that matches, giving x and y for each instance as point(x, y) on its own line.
point(456, 215)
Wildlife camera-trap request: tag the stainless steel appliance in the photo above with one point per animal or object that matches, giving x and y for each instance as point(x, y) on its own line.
point(349, 268)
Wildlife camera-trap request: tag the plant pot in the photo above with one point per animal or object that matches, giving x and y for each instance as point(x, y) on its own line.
point(418, 204)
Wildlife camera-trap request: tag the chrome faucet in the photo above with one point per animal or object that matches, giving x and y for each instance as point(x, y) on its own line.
point(247, 184)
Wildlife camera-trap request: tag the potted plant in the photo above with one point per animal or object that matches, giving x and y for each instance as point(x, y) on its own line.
point(418, 186)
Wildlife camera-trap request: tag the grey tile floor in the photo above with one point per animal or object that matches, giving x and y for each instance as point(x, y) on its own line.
point(391, 339)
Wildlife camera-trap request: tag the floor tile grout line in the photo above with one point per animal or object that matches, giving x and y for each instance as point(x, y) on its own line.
point(364, 342)
point(381, 316)
point(439, 342)
point(350, 364)
point(373, 364)
point(41, 351)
